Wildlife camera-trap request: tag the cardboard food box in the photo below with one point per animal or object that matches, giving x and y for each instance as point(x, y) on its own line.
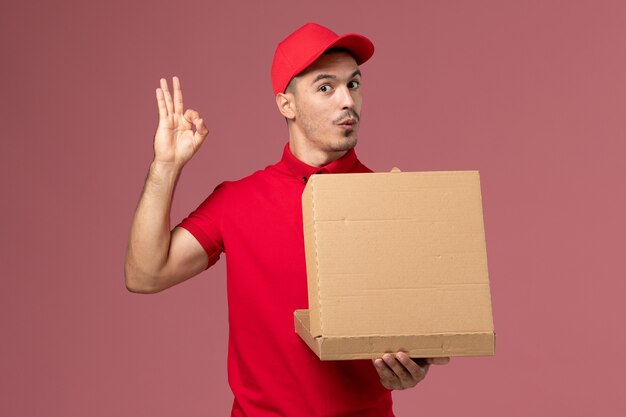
point(396, 262)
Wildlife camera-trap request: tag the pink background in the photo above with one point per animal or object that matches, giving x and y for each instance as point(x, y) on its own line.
point(531, 93)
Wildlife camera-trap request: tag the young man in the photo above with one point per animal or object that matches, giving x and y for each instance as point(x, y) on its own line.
point(257, 221)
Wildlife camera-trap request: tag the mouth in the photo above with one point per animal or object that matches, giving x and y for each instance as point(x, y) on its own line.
point(347, 123)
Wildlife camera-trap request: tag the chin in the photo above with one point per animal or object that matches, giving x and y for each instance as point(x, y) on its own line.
point(346, 143)
point(340, 143)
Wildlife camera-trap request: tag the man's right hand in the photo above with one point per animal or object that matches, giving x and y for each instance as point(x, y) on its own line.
point(157, 257)
point(175, 142)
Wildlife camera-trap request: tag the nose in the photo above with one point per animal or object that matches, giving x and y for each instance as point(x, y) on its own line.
point(345, 98)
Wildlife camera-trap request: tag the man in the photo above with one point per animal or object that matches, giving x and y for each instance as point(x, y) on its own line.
point(257, 222)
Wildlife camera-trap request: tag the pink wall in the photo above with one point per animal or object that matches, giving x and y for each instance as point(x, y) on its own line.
point(532, 94)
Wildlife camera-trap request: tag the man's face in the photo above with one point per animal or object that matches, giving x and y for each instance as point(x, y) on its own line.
point(327, 102)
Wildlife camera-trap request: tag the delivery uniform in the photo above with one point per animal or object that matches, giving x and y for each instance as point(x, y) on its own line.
point(257, 223)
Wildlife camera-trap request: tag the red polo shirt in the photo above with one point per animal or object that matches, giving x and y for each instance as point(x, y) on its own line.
point(257, 223)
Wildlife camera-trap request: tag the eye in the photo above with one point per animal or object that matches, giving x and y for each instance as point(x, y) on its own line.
point(324, 88)
point(354, 85)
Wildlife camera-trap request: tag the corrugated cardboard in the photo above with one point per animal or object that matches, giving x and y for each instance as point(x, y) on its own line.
point(396, 262)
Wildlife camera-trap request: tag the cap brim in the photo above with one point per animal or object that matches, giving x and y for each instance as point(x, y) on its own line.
point(361, 48)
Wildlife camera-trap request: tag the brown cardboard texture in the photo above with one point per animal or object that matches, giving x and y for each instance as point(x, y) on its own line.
point(396, 262)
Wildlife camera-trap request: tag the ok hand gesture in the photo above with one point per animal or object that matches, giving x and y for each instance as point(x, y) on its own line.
point(175, 142)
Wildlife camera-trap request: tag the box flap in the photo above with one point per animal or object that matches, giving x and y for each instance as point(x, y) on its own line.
point(310, 249)
point(398, 253)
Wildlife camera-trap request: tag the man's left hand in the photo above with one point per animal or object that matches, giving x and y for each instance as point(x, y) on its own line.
point(402, 372)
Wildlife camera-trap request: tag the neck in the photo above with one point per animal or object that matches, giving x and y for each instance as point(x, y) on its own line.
point(313, 156)
point(308, 152)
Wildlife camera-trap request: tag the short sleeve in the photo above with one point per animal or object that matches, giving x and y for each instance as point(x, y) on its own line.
point(204, 223)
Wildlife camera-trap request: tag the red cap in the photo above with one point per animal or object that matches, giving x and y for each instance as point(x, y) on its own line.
point(300, 49)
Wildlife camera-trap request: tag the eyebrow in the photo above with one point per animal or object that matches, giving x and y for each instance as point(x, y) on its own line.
point(324, 76)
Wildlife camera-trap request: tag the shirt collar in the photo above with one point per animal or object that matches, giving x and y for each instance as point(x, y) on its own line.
point(303, 171)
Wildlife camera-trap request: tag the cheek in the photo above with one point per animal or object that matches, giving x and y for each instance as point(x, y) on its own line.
point(315, 116)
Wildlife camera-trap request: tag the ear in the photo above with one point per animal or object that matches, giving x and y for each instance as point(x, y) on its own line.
point(286, 105)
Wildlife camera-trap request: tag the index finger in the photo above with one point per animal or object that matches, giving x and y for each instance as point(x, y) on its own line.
point(178, 96)
point(417, 371)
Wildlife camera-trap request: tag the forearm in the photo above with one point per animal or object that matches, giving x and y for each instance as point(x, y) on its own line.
point(150, 234)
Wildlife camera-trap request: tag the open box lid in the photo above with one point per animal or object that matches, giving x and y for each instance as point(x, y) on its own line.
point(392, 254)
